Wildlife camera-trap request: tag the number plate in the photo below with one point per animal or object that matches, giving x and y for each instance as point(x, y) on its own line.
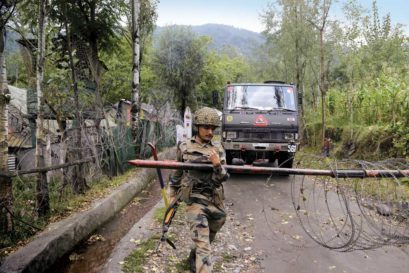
point(292, 148)
point(264, 145)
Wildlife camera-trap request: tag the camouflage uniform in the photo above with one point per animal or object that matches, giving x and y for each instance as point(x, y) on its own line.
point(203, 193)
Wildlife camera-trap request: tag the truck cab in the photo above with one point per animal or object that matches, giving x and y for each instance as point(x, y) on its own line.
point(260, 123)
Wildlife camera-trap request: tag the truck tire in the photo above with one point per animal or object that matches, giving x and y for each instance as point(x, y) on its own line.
point(286, 160)
point(229, 157)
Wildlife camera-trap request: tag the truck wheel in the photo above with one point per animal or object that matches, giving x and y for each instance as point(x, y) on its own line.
point(272, 158)
point(250, 157)
point(228, 157)
point(286, 160)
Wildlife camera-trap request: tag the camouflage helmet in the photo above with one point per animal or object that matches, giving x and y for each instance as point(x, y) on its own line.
point(206, 116)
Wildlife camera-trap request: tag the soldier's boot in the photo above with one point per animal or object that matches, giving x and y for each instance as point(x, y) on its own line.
point(192, 260)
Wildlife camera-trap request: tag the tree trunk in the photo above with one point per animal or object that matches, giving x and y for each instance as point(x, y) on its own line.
point(43, 199)
point(79, 181)
point(298, 74)
point(6, 194)
point(48, 161)
point(323, 86)
point(135, 74)
point(63, 147)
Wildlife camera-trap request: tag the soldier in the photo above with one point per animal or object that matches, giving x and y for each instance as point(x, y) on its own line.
point(202, 191)
point(327, 146)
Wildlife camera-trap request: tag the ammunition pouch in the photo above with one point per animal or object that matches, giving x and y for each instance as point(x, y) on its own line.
point(218, 197)
point(213, 192)
point(186, 189)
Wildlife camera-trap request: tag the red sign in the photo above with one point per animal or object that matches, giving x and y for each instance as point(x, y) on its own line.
point(261, 121)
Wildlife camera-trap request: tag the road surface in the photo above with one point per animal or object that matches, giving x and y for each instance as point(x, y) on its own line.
point(284, 244)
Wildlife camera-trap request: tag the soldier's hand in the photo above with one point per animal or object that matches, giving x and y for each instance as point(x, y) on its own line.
point(214, 158)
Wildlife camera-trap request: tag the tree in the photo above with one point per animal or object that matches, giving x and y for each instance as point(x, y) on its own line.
point(136, 5)
point(117, 79)
point(43, 199)
point(80, 184)
point(219, 68)
point(6, 195)
point(179, 61)
point(94, 27)
point(290, 53)
point(319, 20)
point(87, 29)
point(290, 43)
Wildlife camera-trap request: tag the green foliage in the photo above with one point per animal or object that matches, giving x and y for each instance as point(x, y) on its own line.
point(220, 68)
point(367, 63)
point(116, 83)
point(179, 62)
point(373, 116)
point(400, 132)
point(290, 53)
point(369, 142)
point(62, 204)
point(159, 214)
point(25, 217)
point(16, 70)
point(92, 21)
point(183, 265)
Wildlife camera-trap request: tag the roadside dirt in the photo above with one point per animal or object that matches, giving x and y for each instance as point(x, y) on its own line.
point(91, 255)
point(232, 250)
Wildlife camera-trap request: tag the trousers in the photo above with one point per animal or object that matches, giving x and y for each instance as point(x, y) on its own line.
point(205, 220)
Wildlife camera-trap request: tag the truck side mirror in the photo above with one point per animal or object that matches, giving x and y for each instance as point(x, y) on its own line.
point(215, 97)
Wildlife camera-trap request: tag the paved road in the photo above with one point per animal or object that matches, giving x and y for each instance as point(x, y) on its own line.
point(284, 244)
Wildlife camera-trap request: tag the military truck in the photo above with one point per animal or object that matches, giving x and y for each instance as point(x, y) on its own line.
point(260, 123)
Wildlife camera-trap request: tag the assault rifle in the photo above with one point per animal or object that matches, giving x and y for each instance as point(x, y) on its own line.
point(167, 221)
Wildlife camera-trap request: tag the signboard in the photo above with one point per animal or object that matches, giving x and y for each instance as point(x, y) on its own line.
point(187, 121)
point(180, 133)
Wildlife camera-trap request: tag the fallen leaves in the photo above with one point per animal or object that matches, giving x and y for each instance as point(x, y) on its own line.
point(95, 238)
point(232, 250)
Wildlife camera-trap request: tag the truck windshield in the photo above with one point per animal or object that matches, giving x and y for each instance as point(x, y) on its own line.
point(261, 97)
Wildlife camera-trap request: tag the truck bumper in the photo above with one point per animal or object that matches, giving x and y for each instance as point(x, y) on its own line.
point(270, 147)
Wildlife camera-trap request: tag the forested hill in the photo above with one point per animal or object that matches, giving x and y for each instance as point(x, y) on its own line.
point(243, 40)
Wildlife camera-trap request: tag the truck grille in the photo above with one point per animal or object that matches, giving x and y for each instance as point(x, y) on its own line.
point(260, 136)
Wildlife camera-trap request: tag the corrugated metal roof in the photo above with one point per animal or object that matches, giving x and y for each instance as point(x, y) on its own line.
point(11, 163)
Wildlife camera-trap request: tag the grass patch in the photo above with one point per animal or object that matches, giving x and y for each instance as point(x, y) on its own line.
point(159, 214)
point(135, 261)
point(227, 257)
point(183, 265)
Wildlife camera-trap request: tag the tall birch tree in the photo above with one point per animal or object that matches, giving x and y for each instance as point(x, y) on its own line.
point(43, 199)
point(135, 6)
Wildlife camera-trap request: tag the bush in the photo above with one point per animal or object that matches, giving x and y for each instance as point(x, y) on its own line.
point(374, 142)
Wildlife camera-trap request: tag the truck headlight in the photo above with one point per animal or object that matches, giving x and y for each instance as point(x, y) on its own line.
point(231, 134)
point(289, 136)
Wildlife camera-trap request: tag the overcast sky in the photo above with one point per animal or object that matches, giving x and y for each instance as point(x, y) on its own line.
point(245, 13)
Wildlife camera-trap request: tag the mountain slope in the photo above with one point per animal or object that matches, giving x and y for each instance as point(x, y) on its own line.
point(244, 41)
